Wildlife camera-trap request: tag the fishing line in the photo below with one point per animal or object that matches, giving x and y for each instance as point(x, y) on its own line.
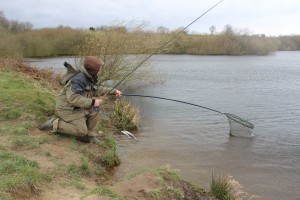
point(162, 46)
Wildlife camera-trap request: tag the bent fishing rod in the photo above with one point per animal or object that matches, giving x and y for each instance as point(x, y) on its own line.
point(231, 117)
point(174, 100)
point(162, 46)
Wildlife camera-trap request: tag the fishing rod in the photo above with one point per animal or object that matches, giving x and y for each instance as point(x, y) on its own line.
point(163, 98)
point(162, 46)
point(238, 126)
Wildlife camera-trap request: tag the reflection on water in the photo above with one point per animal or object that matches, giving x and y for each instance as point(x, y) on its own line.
point(262, 89)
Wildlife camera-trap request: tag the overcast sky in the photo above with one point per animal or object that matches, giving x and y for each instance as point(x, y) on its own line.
point(270, 17)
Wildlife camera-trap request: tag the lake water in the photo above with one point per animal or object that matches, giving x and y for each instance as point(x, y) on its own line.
point(262, 89)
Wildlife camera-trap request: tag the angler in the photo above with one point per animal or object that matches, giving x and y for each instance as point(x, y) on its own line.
point(78, 102)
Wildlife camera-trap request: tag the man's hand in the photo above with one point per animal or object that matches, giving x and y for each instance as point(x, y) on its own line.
point(118, 93)
point(98, 102)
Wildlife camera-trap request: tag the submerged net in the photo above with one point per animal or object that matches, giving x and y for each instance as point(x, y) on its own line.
point(239, 127)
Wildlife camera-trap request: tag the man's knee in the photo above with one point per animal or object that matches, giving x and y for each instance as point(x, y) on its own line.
point(81, 130)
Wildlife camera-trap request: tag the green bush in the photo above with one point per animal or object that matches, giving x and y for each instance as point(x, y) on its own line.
point(110, 159)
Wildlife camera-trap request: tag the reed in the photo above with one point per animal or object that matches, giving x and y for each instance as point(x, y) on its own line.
point(114, 42)
point(220, 187)
point(125, 116)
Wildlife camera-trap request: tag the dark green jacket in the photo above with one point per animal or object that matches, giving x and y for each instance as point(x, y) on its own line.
point(76, 98)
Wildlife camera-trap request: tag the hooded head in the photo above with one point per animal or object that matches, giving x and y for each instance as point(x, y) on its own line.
point(92, 65)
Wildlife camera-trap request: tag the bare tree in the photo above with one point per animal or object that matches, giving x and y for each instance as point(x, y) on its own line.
point(4, 23)
point(212, 30)
point(228, 30)
point(14, 25)
point(162, 29)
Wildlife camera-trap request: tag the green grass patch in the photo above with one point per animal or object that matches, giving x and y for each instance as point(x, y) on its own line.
point(74, 182)
point(14, 128)
point(21, 141)
point(21, 97)
point(44, 139)
point(110, 159)
point(108, 142)
point(27, 124)
point(20, 131)
point(85, 166)
point(16, 171)
point(105, 191)
point(10, 113)
point(155, 194)
point(82, 169)
point(73, 170)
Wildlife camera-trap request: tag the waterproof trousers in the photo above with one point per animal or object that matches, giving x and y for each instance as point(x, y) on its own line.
point(86, 125)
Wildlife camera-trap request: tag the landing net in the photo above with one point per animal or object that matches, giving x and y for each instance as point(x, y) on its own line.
point(239, 127)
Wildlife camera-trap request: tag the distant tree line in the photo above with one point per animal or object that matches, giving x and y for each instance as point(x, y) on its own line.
point(19, 39)
point(13, 25)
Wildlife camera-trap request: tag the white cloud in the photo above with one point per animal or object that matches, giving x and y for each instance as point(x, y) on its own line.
point(269, 17)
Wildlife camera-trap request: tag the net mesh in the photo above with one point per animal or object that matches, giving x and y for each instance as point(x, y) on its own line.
point(239, 127)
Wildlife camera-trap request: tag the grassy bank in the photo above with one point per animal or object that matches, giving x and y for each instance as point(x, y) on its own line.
point(32, 160)
point(38, 165)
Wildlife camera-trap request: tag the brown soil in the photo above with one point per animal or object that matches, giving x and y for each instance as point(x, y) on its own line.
point(141, 186)
point(63, 153)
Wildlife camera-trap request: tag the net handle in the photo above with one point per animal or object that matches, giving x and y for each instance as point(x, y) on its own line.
point(174, 100)
point(228, 115)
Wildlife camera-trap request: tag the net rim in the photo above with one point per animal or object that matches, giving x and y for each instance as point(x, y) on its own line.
point(239, 120)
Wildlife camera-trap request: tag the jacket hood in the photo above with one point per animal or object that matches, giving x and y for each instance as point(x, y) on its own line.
point(82, 69)
point(93, 79)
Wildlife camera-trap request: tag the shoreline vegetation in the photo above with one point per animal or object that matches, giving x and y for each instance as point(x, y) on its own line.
point(19, 39)
point(38, 165)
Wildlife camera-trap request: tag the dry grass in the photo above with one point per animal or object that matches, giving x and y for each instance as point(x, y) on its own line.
point(42, 75)
point(125, 116)
point(225, 187)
